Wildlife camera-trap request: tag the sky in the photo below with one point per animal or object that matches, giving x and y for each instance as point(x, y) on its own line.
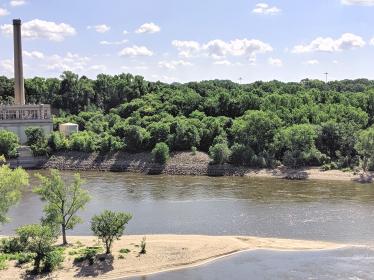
point(181, 41)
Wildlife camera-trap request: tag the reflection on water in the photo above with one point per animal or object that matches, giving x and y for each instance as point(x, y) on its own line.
point(335, 211)
point(352, 263)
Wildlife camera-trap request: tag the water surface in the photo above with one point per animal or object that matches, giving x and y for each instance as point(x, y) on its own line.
point(316, 210)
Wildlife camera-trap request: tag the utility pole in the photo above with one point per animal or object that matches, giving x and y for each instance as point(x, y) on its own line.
point(240, 80)
point(326, 76)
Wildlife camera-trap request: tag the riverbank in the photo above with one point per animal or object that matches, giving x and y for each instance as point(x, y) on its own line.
point(164, 252)
point(186, 163)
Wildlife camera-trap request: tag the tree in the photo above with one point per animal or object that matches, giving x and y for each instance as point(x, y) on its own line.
point(36, 140)
point(220, 153)
point(9, 143)
point(11, 185)
point(39, 240)
point(160, 153)
point(109, 226)
point(365, 147)
point(63, 200)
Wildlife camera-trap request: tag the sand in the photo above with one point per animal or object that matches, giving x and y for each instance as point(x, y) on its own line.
point(164, 252)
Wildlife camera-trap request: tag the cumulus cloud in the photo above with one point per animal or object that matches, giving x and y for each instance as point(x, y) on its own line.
point(148, 27)
point(171, 65)
point(219, 49)
point(108, 43)
point(358, 2)
point(101, 28)
point(222, 62)
point(136, 51)
point(345, 42)
point(266, 9)
point(3, 12)
point(186, 48)
point(275, 62)
point(7, 67)
point(37, 28)
point(312, 62)
point(68, 62)
point(372, 42)
point(33, 54)
point(16, 3)
point(125, 32)
point(98, 68)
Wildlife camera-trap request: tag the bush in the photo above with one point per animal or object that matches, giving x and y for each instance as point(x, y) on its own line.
point(241, 155)
point(109, 226)
point(3, 262)
point(142, 246)
point(37, 141)
point(11, 245)
point(58, 142)
point(23, 258)
point(88, 254)
point(9, 143)
point(83, 141)
point(53, 260)
point(193, 150)
point(124, 251)
point(160, 153)
point(220, 153)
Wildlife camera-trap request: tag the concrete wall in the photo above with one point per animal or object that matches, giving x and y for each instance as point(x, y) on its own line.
point(18, 127)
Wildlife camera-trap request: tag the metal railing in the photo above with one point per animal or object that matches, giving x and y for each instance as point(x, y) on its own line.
point(25, 112)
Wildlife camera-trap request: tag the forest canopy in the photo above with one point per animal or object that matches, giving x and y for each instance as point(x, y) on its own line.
point(261, 124)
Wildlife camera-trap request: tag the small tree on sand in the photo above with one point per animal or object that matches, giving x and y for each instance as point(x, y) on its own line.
point(11, 184)
point(109, 226)
point(38, 240)
point(63, 200)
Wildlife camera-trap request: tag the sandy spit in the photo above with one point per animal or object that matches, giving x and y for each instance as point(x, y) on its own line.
point(164, 252)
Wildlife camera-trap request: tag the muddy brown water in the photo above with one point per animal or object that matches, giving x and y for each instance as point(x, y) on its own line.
point(315, 210)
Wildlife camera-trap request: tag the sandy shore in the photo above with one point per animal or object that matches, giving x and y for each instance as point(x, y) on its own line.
point(164, 252)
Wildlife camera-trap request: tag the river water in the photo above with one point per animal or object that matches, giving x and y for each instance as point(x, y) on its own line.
point(315, 210)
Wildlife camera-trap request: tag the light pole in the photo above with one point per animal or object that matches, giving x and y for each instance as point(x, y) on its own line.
point(326, 76)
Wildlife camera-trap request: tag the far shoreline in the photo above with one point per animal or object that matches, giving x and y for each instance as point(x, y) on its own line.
point(183, 164)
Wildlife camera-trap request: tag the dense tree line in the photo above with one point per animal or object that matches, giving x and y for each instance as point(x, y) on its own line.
point(259, 124)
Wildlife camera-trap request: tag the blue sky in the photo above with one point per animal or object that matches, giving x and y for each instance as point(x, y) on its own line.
point(181, 41)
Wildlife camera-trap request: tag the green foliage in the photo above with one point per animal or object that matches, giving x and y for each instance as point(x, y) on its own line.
point(38, 240)
point(143, 245)
point(37, 141)
point(63, 200)
point(11, 184)
point(53, 260)
point(9, 143)
point(124, 251)
point(109, 226)
point(193, 151)
point(220, 153)
point(84, 141)
point(88, 254)
point(3, 262)
point(58, 142)
point(365, 147)
point(160, 153)
point(11, 245)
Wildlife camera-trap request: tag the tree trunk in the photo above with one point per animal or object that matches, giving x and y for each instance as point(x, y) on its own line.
point(64, 241)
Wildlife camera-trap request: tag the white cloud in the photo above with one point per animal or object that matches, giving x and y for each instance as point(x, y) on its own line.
point(70, 61)
point(16, 3)
point(358, 2)
point(33, 54)
point(219, 49)
point(148, 27)
point(345, 42)
point(275, 61)
point(108, 43)
point(312, 62)
point(37, 28)
point(3, 12)
point(266, 9)
point(186, 48)
point(7, 67)
point(372, 42)
point(222, 62)
point(164, 78)
point(99, 68)
point(136, 51)
point(125, 32)
point(101, 28)
point(171, 65)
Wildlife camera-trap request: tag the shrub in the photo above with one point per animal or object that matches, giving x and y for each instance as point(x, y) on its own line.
point(220, 153)
point(83, 141)
point(160, 153)
point(37, 141)
point(109, 226)
point(88, 254)
point(53, 260)
point(124, 251)
point(9, 143)
point(193, 150)
point(241, 155)
point(11, 245)
point(110, 143)
point(142, 246)
point(23, 258)
point(3, 262)
point(57, 141)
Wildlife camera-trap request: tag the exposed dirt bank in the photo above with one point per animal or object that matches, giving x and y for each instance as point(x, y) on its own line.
point(185, 163)
point(164, 252)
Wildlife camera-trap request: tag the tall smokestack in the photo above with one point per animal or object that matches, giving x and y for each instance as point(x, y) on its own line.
point(19, 89)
